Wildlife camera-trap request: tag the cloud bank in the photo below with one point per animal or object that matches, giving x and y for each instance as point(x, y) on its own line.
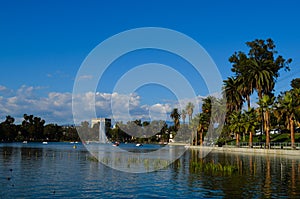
point(56, 107)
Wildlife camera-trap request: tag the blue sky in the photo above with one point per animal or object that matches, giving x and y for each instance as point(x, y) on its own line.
point(43, 44)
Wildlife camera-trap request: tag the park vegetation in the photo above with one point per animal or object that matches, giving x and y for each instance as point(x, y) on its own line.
point(34, 129)
point(254, 73)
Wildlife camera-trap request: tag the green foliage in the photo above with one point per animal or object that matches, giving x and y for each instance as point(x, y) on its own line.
point(212, 168)
point(295, 83)
point(190, 109)
point(175, 115)
point(8, 130)
point(34, 129)
point(233, 96)
point(256, 70)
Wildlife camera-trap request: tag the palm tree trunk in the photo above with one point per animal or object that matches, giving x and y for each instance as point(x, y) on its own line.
point(250, 139)
point(201, 137)
point(237, 140)
point(196, 139)
point(267, 127)
point(292, 132)
point(248, 102)
point(259, 92)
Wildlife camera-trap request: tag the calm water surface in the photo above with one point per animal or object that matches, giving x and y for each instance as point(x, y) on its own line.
point(57, 170)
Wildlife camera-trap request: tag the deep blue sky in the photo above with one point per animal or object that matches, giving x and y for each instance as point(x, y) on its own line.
point(43, 43)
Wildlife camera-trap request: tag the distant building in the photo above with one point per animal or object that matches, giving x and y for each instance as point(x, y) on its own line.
point(104, 125)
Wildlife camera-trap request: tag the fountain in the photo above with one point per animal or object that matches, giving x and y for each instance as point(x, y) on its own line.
point(102, 132)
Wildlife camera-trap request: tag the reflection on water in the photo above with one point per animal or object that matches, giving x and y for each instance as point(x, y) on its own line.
point(256, 176)
point(58, 170)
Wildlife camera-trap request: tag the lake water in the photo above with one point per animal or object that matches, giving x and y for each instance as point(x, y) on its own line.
point(58, 170)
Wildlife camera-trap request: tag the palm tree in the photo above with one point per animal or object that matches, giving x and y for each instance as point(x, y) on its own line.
point(176, 117)
point(250, 123)
point(194, 127)
point(262, 75)
point(259, 69)
point(190, 109)
point(288, 107)
point(218, 111)
point(203, 126)
point(183, 115)
point(295, 83)
point(265, 103)
point(236, 125)
point(234, 98)
point(245, 88)
point(245, 82)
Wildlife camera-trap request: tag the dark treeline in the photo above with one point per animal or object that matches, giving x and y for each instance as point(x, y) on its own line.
point(34, 129)
point(156, 131)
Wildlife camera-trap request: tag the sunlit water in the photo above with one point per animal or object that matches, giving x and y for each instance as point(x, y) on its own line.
point(35, 170)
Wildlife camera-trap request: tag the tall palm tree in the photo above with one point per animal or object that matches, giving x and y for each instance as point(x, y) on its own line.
point(250, 123)
point(194, 127)
point(204, 122)
point(236, 125)
point(233, 96)
point(245, 88)
point(183, 115)
point(259, 69)
point(245, 82)
point(262, 75)
point(199, 125)
point(265, 103)
point(190, 109)
point(175, 115)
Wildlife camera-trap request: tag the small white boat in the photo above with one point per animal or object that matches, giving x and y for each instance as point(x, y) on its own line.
point(116, 144)
point(45, 142)
point(138, 144)
point(25, 142)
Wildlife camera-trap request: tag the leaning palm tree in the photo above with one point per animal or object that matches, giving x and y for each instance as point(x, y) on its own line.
point(190, 109)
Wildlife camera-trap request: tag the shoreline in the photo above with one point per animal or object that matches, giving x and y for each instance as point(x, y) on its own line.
point(240, 150)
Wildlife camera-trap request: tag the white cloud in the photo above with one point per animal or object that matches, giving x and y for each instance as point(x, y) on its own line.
point(56, 107)
point(84, 77)
point(2, 88)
